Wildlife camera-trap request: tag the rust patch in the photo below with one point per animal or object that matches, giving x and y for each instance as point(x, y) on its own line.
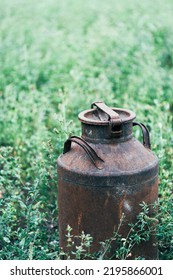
point(79, 219)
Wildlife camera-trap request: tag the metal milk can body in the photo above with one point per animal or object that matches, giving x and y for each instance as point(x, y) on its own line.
point(104, 174)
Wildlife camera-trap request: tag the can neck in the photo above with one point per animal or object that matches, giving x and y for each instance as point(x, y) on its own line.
point(105, 134)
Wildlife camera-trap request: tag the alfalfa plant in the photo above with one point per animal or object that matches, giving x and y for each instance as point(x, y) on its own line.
point(82, 251)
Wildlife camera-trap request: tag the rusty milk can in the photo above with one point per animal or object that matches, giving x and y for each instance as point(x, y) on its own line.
point(104, 174)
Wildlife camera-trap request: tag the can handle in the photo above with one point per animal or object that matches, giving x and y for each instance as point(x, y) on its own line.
point(145, 134)
point(114, 117)
point(86, 147)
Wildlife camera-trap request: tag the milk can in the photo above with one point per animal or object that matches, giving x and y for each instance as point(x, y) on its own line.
point(104, 175)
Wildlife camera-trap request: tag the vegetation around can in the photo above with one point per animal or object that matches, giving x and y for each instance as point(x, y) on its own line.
point(56, 58)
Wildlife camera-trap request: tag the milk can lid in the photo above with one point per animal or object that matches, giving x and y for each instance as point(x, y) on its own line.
point(104, 115)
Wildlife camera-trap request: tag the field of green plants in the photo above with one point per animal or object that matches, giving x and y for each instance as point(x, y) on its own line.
point(56, 58)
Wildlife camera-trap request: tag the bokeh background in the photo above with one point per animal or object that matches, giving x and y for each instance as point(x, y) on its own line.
point(56, 57)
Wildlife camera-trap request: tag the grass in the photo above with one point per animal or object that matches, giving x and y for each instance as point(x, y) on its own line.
point(56, 57)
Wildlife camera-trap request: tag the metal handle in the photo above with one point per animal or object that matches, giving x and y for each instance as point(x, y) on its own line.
point(87, 148)
point(113, 117)
point(145, 134)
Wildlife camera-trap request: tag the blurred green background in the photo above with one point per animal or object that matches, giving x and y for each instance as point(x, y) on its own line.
point(56, 57)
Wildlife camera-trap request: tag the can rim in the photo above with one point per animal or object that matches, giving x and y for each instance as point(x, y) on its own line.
point(84, 119)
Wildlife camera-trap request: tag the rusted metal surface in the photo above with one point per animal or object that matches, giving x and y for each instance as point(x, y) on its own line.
point(103, 174)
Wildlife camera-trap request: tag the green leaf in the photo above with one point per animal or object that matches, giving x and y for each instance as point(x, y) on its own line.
point(22, 204)
point(6, 239)
point(22, 242)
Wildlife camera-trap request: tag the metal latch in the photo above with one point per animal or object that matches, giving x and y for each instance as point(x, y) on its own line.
point(114, 119)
